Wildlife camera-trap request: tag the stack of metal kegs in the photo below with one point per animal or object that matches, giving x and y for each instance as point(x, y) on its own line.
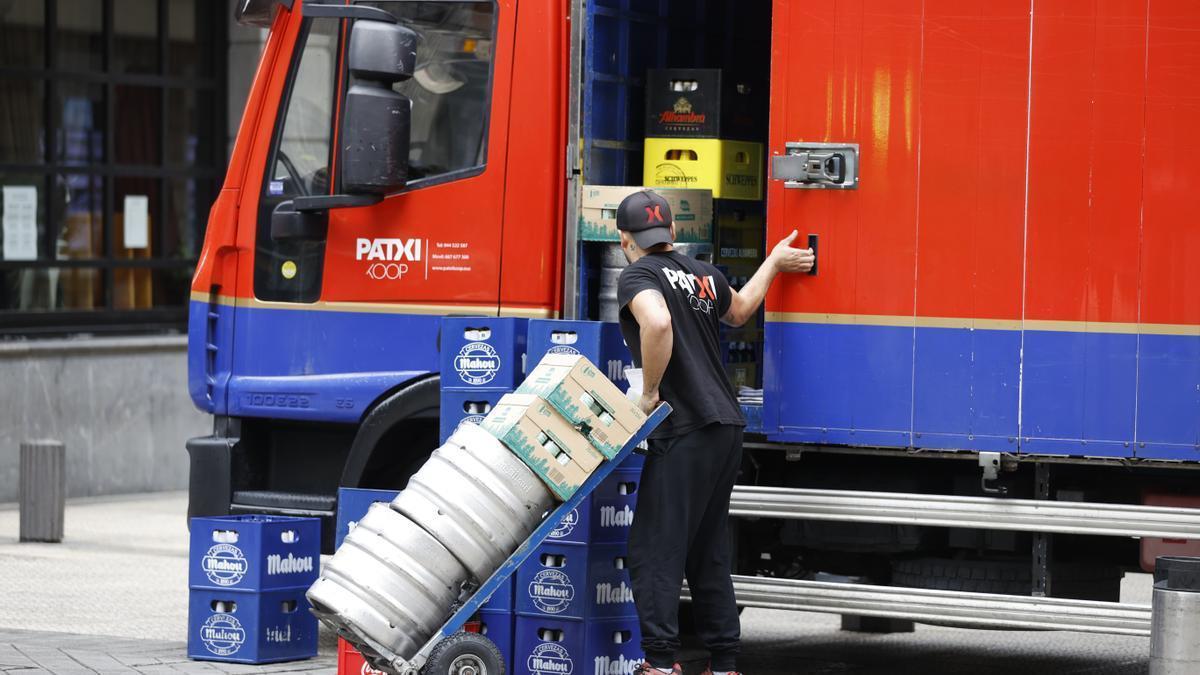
point(400, 571)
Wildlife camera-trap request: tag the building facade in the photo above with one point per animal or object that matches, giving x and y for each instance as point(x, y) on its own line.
point(115, 123)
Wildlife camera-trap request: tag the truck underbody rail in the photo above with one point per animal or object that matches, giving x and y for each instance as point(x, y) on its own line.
point(1027, 515)
point(943, 607)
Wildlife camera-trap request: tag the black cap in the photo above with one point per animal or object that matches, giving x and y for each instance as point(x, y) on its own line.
point(646, 216)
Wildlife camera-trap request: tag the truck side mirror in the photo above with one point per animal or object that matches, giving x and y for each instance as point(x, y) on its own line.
point(376, 120)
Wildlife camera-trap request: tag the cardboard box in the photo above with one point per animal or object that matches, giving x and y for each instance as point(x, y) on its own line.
point(731, 169)
point(691, 209)
point(578, 390)
point(537, 433)
point(702, 103)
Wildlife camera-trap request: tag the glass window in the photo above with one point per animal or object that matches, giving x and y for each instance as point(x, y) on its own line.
point(80, 35)
point(79, 135)
point(77, 206)
point(302, 159)
point(135, 37)
point(450, 91)
point(189, 28)
point(22, 33)
point(22, 131)
point(110, 155)
point(51, 288)
point(137, 116)
point(187, 126)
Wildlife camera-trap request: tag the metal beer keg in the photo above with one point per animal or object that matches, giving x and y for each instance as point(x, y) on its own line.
point(477, 498)
point(390, 582)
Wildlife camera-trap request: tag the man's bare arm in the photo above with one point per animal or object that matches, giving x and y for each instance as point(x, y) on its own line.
point(783, 258)
point(654, 325)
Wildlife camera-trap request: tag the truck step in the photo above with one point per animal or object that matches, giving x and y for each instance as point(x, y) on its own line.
point(285, 503)
point(1027, 515)
point(968, 610)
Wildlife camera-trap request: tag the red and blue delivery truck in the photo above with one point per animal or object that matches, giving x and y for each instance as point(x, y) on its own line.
point(983, 409)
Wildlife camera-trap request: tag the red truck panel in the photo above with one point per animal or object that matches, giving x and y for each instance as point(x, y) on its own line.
point(1013, 270)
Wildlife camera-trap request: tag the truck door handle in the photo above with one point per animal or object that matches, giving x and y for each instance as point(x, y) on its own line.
point(829, 166)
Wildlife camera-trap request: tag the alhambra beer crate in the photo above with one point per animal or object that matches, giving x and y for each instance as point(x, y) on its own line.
point(254, 552)
point(702, 103)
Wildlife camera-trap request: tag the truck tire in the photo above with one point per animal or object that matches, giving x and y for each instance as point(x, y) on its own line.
point(1081, 581)
point(465, 654)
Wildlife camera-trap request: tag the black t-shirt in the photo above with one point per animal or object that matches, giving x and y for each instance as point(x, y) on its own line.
point(697, 295)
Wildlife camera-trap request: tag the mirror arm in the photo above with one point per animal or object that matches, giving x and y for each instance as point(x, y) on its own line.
point(326, 202)
point(348, 12)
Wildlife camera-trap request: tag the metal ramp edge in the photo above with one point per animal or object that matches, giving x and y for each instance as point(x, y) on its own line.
point(974, 610)
point(1028, 515)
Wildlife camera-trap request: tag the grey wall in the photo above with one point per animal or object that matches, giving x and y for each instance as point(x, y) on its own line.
point(119, 404)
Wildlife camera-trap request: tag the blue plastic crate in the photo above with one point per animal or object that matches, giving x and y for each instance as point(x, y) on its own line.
point(600, 342)
point(553, 581)
point(550, 646)
point(484, 351)
point(460, 405)
point(254, 553)
point(573, 528)
point(353, 504)
point(609, 591)
point(249, 626)
point(498, 627)
point(613, 503)
point(634, 462)
point(502, 599)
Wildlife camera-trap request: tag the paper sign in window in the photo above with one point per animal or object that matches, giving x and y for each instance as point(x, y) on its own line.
point(137, 221)
point(20, 222)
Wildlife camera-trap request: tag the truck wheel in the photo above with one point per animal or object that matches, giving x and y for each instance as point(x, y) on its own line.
point(465, 654)
point(1009, 577)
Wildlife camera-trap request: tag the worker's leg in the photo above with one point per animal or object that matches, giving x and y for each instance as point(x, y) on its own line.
point(676, 490)
point(657, 550)
point(709, 560)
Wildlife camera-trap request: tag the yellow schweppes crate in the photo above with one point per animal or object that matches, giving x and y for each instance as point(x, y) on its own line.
point(731, 169)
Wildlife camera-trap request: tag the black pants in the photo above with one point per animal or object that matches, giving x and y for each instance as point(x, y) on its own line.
point(681, 527)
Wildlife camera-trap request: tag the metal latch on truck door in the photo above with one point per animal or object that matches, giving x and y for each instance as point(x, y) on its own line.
point(831, 166)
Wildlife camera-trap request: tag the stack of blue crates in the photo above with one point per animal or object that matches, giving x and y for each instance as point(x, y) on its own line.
point(574, 601)
point(574, 607)
point(248, 575)
point(482, 359)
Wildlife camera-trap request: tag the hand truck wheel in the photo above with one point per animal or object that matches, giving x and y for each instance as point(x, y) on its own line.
point(465, 654)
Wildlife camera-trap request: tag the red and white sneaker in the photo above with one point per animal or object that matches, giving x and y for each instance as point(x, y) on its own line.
point(708, 671)
point(647, 669)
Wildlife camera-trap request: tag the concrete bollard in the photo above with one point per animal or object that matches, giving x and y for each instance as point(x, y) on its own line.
point(1175, 616)
point(43, 488)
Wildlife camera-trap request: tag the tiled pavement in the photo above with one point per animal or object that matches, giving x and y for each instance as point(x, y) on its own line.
point(112, 598)
point(43, 652)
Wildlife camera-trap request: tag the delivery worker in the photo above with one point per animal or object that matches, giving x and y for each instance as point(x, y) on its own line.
point(670, 308)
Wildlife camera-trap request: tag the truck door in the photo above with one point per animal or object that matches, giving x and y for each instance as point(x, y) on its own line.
point(907, 334)
point(995, 281)
point(364, 299)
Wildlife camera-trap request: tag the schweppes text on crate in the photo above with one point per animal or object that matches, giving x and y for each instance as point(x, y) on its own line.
point(731, 169)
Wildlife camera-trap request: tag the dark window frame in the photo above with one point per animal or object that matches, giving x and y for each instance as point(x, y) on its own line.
point(211, 86)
